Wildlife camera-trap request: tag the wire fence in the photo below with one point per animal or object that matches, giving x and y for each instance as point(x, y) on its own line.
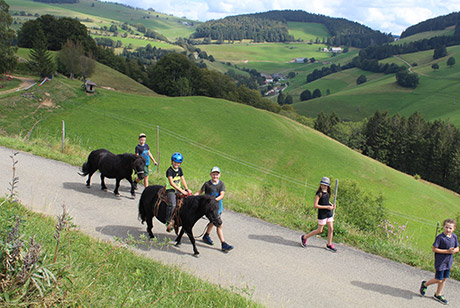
point(295, 182)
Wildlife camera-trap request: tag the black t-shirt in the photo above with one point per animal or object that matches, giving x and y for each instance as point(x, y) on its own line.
point(323, 200)
point(175, 174)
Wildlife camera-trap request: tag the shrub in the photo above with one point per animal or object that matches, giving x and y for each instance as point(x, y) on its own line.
point(358, 208)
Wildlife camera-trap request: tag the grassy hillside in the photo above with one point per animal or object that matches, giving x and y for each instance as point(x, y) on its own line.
point(436, 97)
point(426, 35)
point(106, 14)
point(265, 57)
point(308, 31)
point(105, 77)
point(261, 154)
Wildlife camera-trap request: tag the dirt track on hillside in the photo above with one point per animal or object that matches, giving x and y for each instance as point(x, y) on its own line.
point(267, 260)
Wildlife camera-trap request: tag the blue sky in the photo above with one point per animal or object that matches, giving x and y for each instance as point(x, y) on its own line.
point(385, 15)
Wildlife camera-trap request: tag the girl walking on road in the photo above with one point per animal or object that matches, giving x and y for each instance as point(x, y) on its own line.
point(325, 214)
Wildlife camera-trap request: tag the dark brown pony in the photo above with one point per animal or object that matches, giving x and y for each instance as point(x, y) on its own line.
point(113, 166)
point(192, 209)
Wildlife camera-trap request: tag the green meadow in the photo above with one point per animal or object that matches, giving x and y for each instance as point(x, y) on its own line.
point(260, 153)
point(425, 35)
point(308, 31)
point(140, 42)
point(436, 96)
point(106, 13)
point(265, 57)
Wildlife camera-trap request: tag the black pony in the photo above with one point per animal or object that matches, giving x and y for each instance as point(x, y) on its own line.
point(193, 208)
point(111, 166)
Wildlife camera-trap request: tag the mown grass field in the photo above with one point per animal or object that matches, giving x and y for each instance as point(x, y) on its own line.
point(261, 154)
point(308, 31)
point(100, 274)
point(436, 96)
point(265, 57)
point(425, 35)
point(139, 42)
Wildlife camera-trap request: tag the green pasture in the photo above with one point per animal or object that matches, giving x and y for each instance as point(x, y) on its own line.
point(436, 96)
point(307, 31)
point(449, 31)
point(64, 10)
point(106, 13)
point(258, 151)
point(266, 57)
point(141, 42)
point(299, 82)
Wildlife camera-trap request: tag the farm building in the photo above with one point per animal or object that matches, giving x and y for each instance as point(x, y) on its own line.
point(90, 86)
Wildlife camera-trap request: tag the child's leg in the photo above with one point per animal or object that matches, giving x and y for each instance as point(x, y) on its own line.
point(432, 281)
point(441, 285)
point(315, 232)
point(171, 205)
point(208, 231)
point(146, 181)
point(330, 232)
point(220, 233)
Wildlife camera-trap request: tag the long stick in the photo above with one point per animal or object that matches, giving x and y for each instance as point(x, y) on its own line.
point(335, 195)
point(437, 227)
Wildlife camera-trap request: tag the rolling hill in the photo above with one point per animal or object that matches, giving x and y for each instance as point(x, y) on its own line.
point(434, 98)
point(261, 154)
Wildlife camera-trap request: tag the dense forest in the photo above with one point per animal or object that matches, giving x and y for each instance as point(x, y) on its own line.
point(243, 27)
point(428, 150)
point(438, 23)
point(343, 31)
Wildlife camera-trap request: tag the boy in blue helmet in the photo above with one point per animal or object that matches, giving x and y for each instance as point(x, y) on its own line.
point(175, 183)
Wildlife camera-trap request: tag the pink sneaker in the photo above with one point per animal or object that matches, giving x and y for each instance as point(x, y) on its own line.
point(331, 247)
point(303, 241)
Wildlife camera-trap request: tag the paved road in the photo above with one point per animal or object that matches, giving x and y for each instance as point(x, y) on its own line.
point(267, 260)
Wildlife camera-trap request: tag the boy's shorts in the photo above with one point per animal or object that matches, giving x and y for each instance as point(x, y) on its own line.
point(322, 222)
point(440, 275)
point(146, 170)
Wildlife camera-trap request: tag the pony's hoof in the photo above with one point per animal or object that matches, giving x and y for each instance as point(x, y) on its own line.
point(196, 254)
point(133, 196)
point(117, 195)
point(104, 188)
point(177, 244)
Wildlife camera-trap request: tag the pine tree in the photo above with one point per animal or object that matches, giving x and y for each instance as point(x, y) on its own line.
point(41, 60)
point(8, 58)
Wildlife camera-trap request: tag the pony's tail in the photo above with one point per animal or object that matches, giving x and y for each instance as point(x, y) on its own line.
point(142, 215)
point(84, 169)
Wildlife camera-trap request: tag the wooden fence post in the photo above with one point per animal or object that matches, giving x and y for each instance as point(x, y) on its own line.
point(63, 135)
point(158, 148)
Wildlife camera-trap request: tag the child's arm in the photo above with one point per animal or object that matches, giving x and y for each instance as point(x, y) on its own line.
point(221, 196)
point(321, 207)
point(173, 185)
point(151, 156)
point(198, 193)
point(451, 250)
point(182, 178)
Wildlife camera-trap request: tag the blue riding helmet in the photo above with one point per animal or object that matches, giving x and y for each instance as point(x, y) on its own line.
point(177, 157)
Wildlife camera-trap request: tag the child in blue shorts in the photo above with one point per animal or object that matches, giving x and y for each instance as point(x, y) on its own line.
point(444, 247)
point(215, 187)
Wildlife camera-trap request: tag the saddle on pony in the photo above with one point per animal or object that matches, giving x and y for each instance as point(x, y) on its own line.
point(175, 221)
